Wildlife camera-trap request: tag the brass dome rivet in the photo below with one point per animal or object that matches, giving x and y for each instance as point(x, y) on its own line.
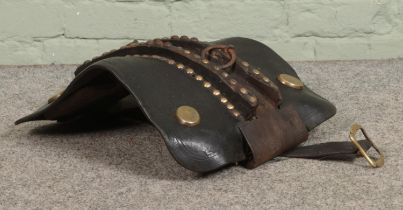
point(176, 37)
point(244, 63)
point(199, 78)
point(170, 61)
point(224, 100)
point(230, 106)
point(266, 79)
point(243, 90)
point(187, 52)
point(205, 61)
point(158, 42)
point(194, 39)
point(290, 81)
point(180, 66)
point(256, 71)
point(225, 74)
point(196, 56)
point(207, 84)
point(55, 97)
point(190, 71)
point(217, 68)
point(188, 116)
point(232, 81)
point(184, 37)
point(216, 92)
point(253, 99)
point(236, 113)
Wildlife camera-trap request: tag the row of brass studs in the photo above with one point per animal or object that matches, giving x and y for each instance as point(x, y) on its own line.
point(160, 43)
point(206, 84)
point(257, 73)
point(183, 38)
point(245, 93)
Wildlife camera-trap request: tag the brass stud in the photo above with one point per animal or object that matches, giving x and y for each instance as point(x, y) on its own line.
point(194, 39)
point(188, 116)
point(175, 37)
point(207, 84)
point(180, 66)
point(158, 42)
point(232, 81)
point(217, 68)
point(290, 81)
point(225, 74)
point(216, 92)
point(196, 56)
point(256, 71)
point(252, 99)
point(170, 61)
point(190, 71)
point(230, 106)
point(205, 61)
point(184, 37)
point(224, 100)
point(199, 78)
point(244, 63)
point(266, 79)
point(187, 52)
point(236, 113)
point(243, 90)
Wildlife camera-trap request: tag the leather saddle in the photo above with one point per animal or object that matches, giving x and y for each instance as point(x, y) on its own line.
point(232, 101)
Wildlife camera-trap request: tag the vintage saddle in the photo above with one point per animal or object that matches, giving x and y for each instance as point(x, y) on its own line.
point(232, 101)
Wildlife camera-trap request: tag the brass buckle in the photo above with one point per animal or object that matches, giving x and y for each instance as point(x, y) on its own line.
point(376, 163)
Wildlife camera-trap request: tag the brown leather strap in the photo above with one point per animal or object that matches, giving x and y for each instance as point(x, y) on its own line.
point(328, 151)
point(272, 133)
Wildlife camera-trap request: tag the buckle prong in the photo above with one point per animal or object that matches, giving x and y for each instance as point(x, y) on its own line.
point(376, 163)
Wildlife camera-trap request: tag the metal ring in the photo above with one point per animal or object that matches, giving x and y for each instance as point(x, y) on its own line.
point(376, 163)
point(227, 48)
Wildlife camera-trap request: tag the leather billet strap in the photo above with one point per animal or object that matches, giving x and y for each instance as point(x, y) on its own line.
point(272, 133)
point(328, 151)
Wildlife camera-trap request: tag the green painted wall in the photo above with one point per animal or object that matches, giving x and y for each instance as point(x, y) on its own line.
point(70, 31)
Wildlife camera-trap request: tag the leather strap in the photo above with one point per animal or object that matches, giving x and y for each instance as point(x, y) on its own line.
point(272, 133)
point(328, 151)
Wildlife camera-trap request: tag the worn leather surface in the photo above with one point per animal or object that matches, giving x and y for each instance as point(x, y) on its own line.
point(312, 108)
point(159, 88)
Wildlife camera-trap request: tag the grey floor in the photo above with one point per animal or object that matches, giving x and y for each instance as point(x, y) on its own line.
point(44, 166)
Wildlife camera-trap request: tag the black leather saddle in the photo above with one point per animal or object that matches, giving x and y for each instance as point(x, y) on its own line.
point(232, 101)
